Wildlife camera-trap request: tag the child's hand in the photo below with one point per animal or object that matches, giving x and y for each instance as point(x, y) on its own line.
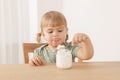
point(37, 61)
point(78, 38)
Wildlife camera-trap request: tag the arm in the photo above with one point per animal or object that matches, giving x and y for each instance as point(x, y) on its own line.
point(85, 52)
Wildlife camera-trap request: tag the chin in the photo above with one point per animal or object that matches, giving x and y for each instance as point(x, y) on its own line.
point(55, 45)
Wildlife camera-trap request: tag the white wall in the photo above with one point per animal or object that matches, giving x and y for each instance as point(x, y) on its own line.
point(33, 19)
point(100, 19)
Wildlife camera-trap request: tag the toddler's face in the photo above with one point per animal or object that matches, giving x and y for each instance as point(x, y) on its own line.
point(55, 35)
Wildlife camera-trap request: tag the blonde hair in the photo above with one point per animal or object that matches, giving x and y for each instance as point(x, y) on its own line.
point(52, 18)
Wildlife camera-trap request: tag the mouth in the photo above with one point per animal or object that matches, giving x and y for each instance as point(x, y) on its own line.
point(56, 39)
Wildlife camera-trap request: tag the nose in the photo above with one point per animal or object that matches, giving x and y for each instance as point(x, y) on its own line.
point(55, 33)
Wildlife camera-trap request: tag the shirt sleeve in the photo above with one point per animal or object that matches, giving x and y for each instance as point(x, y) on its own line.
point(73, 49)
point(37, 52)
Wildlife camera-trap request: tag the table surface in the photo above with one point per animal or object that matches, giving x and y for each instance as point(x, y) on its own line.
point(79, 71)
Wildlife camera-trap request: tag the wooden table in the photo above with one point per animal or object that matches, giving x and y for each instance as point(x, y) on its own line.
point(79, 71)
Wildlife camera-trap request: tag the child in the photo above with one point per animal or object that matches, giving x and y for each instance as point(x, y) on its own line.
point(55, 31)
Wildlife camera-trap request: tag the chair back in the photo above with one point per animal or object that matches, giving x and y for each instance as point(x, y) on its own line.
point(29, 47)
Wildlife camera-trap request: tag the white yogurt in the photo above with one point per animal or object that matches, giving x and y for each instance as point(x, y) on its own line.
point(63, 58)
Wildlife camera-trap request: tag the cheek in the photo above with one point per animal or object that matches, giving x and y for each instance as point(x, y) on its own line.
point(63, 36)
point(47, 38)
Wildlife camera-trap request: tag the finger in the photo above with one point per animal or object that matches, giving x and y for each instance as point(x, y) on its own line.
point(35, 61)
point(85, 37)
point(31, 63)
point(80, 38)
point(41, 60)
point(76, 40)
point(73, 42)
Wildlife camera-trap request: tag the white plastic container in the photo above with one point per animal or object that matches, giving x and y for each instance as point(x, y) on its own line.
point(63, 58)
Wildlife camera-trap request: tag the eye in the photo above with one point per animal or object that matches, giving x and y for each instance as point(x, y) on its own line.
point(50, 31)
point(60, 30)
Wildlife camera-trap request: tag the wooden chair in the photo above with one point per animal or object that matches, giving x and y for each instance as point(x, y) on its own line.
point(29, 47)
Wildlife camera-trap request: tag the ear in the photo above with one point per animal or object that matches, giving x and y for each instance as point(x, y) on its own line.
point(43, 34)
